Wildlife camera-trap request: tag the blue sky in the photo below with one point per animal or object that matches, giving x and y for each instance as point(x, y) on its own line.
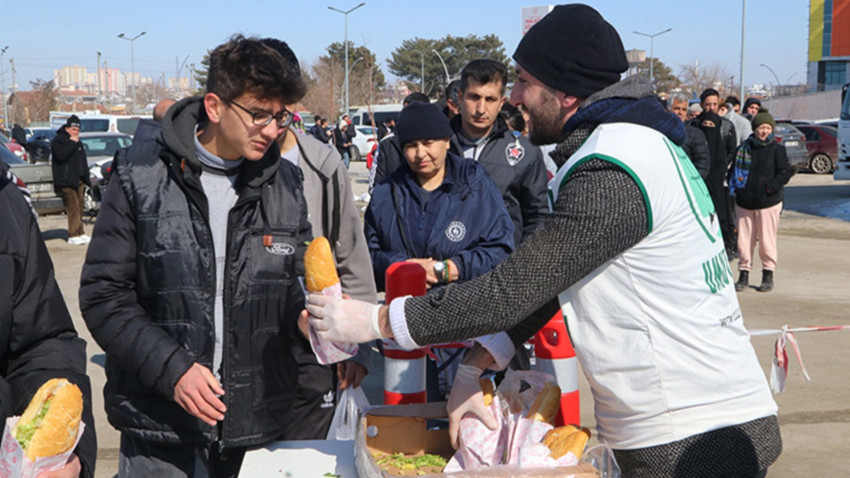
point(44, 35)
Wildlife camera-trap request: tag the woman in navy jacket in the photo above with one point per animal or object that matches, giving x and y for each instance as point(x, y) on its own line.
point(441, 211)
point(438, 209)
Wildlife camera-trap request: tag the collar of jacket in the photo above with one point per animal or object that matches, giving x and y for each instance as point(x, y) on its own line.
point(457, 180)
point(316, 154)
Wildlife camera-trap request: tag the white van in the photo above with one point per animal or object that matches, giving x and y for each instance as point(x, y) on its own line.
point(360, 116)
point(90, 123)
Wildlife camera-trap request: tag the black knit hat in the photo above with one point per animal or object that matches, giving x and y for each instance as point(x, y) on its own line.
point(422, 121)
point(763, 117)
point(750, 101)
point(73, 120)
point(574, 50)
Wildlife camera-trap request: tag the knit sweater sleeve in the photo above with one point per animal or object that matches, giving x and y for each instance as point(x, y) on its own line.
point(599, 214)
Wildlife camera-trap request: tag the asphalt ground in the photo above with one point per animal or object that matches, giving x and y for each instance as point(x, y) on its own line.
point(810, 290)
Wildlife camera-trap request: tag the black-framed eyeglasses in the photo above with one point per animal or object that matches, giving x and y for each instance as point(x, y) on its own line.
point(282, 119)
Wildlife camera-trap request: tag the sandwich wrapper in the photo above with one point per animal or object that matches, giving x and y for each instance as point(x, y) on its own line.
point(328, 352)
point(15, 463)
point(516, 440)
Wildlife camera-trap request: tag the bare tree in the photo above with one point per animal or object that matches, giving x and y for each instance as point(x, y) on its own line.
point(152, 93)
point(697, 77)
point(39, 106)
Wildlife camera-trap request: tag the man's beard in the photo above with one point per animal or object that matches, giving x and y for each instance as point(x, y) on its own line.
point(545, 123)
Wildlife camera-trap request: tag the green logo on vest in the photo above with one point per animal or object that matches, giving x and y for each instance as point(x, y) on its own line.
point(716, 272)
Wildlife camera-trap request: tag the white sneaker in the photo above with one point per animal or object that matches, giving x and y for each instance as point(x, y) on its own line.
point(85, 239)
point(76, 241)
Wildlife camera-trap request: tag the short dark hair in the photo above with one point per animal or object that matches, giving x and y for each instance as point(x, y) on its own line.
point(733, 100)
point(249, 65)
point(484, 71)
point(708, 92)
point(416, 96)
point(513, 116)
point(453, 90)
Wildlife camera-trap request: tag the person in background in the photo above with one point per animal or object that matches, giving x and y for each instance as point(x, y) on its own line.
point(736, 104)
point(190, 286)
point(39, 340)
point(387, 127)
point(389, 155)
point(512, 161)
point(757, 183)
point(452, 107)
point(441, 211)
point(633, 257)
point(513, 118)
point(71, 176)
point(150, 129)
point(743, 130)
point(333, 214)
point(342, 141)
point(696, 146)
point(751, 107)
point(19, 135)
point(694, 110)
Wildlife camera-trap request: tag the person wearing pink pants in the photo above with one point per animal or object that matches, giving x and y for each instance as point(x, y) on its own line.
point(757, 183)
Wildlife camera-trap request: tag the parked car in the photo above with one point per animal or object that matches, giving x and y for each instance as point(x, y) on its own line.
point(14, 147)
point(822, 147)
point(363, 143)
point(39, 181)
point(100, 149)
point(38, 144)
point(794, 141)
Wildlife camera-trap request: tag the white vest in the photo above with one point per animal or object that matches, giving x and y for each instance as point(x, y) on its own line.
point(658, 328)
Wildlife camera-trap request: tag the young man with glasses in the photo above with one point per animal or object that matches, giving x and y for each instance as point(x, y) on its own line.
point(191, 282)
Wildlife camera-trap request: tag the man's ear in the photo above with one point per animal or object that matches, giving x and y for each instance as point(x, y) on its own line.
point(214, 107)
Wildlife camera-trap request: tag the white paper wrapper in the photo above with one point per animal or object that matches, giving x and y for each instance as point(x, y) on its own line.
point(516, 441)
point(15, 463)
point(328, 352)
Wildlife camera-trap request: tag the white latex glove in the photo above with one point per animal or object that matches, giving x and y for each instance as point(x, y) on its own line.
point(466, 397)
point(343, 321)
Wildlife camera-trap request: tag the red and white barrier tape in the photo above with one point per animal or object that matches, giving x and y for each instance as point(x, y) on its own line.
point(779, 369)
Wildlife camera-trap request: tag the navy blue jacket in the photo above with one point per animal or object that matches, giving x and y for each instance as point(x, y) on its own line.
point(464, 220)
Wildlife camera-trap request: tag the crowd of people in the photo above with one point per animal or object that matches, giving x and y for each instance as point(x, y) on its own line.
point(642, 206)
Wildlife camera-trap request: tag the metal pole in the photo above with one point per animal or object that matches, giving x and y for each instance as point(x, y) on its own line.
point(652, 51)
point(132, 65)
point(773, 90)
point(345, 13)
point(743, 31)
point(3, 89)
point(446, 70)
point(99, 90)
point(422, 71)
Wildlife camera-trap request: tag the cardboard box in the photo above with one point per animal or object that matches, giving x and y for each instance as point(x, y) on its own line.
point(402, 429)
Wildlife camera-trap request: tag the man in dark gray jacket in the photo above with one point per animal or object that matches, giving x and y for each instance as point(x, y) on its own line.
point(332, 213)
point(191, 284)
point(513, 163)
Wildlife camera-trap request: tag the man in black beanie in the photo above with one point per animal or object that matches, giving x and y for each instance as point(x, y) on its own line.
point(71, 176)
point(632, 255)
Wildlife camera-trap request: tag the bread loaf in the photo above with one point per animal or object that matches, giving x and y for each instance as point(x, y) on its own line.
point(546, 404)
point(488, 388)
point(319, 266)
point(50, 423)
point(563, 440)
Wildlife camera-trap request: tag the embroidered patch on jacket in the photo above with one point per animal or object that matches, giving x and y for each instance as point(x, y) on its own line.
point(456, 231)
point(514, 152)
point(280, 249)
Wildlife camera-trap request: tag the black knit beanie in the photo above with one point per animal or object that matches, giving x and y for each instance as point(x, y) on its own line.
point(573, 50)
point(750, 101)
point(763, 117)
point(73, 120)
point(422, 121)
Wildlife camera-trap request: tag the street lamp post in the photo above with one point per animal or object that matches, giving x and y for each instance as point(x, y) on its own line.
point(132, 64)
point(444, 67)
point(773, 90)
point(180, 70)
point(345, 13)
point(3, 89)
point(652, 51)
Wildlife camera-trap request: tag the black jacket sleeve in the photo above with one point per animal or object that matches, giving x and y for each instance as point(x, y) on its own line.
point(697, 149)
point(599, 214)
point(534, 199)
point(109, 304)
point(38, 338)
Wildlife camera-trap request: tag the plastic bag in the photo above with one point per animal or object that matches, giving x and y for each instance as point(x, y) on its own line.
point(352, 402)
